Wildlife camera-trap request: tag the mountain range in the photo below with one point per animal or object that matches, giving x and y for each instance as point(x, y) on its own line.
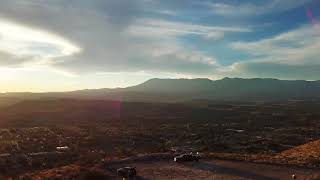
point(180, 90)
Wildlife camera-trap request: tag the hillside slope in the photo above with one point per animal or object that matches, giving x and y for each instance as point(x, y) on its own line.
point(307, 154)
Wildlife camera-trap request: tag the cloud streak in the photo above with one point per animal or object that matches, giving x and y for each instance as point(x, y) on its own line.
point(294, 47)
point(162, 28)
point(26, 43)
point(244, 9)
point(290, 55)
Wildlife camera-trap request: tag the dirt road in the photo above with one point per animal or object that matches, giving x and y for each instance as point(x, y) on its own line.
point(215, 170)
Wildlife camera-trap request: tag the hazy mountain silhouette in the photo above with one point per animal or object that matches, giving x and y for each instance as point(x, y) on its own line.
point(174, 86)
point(227, 89)
point(235, 88)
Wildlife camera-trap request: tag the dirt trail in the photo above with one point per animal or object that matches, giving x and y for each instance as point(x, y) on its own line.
point(215, 170)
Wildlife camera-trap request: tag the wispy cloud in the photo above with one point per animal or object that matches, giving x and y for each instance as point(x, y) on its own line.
point(254, 8)
point(163, 28)
point(290, 55)
point(167, 12)
point(26, 43)
point(296, 46)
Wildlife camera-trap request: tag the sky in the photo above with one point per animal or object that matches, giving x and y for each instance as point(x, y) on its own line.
point(59, 45)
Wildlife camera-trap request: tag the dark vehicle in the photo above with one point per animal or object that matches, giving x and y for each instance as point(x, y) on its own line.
point(187, 157)
point(127, 172)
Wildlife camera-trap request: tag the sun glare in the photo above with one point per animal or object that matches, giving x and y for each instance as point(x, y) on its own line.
point(6, 74)
point(21, 40)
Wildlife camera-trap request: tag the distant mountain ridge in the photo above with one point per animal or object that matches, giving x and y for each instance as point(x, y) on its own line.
point(233, 88)
point(177, 90)
point(174, 85)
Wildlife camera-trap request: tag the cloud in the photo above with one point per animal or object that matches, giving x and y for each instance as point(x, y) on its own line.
point(294, 47)
point(290, 55)
point(257, 8)
point(267, 69)
point(21, 42)
point(163, 28)
point(113, 36)
point(215, 35)
point(119, 36)
point(167, 12)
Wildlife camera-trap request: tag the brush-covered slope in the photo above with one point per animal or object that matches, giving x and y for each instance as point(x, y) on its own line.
point(307, 154)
